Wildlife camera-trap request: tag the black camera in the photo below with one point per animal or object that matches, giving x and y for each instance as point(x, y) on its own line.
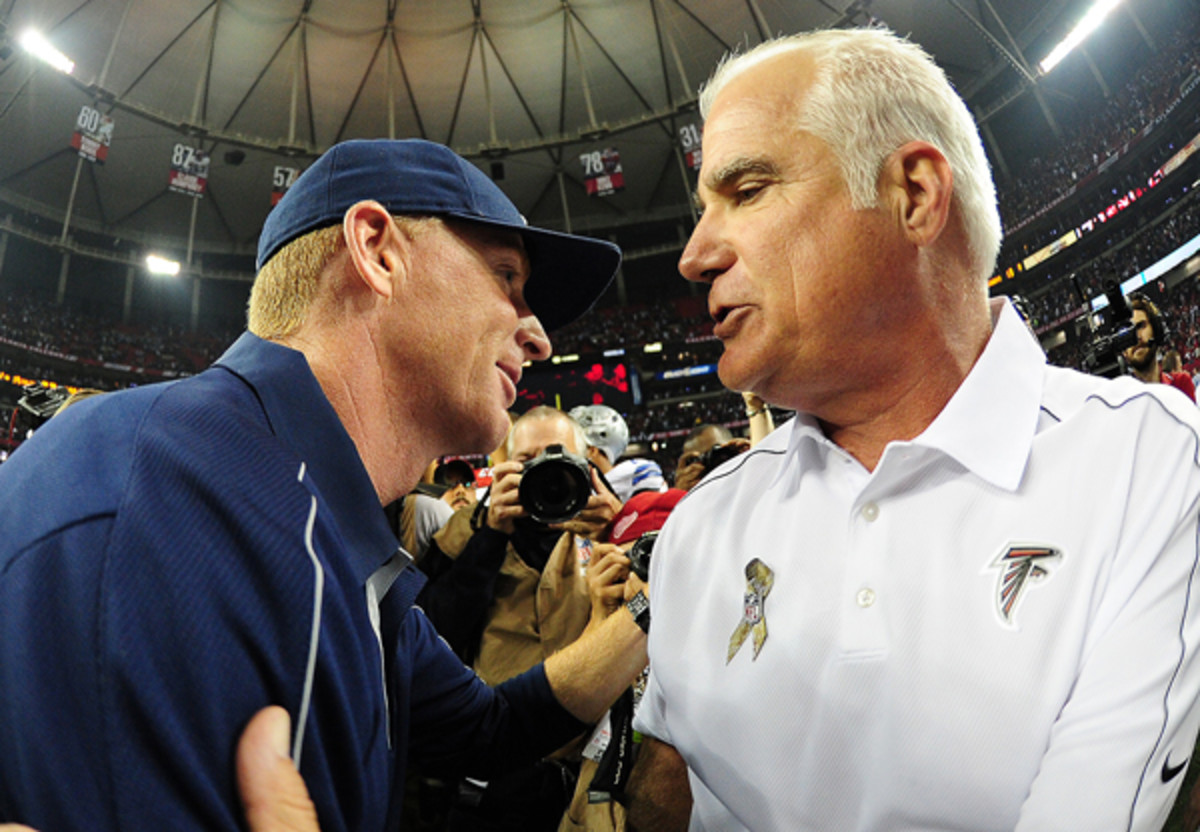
point(717, 454)
point(639, 555)
point(555, 485)
point(1103, 352)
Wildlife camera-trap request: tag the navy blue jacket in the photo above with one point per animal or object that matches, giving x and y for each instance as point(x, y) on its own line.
point(175, 557)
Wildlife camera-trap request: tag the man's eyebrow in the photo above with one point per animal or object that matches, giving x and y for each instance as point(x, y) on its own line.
point(724, 176)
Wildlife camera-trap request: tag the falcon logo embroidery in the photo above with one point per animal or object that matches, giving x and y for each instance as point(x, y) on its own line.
point(1021, 566)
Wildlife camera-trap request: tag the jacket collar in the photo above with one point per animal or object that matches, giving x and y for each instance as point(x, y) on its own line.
point(302, 418)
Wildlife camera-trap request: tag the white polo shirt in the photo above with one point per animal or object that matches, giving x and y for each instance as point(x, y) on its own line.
point(992, 630)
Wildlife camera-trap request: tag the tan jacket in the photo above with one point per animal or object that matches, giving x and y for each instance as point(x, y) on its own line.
point(533, 614)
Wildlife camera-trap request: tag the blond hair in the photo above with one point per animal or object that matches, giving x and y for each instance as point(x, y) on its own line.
point(873, 92)
point(286, 285)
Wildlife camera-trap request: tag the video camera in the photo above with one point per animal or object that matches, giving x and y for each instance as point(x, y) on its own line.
point(1105, 344)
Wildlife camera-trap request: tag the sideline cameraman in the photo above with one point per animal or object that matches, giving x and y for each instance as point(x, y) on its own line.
point(706, 447)
point(1143, 357)
point(507, 591)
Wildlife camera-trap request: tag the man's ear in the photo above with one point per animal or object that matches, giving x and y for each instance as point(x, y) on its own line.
point(919, 184)
point(376, 246)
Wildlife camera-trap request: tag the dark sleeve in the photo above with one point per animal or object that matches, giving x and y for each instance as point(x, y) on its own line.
point(158, 631)
point(459, 725)
point(459, 592)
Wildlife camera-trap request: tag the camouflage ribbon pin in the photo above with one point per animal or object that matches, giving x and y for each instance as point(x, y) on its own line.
point(759, 580)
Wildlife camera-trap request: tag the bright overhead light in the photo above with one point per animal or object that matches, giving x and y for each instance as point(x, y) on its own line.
point(161, 265)
point(35, 43)
point(1094, 17)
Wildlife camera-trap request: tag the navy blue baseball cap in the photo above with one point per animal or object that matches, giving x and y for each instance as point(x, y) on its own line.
point(568, 273)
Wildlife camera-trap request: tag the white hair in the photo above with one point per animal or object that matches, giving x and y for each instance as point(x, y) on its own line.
point(873, 92)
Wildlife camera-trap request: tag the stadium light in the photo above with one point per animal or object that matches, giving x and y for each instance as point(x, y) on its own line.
point(35, 43)
point(1091, 20)
point(161, 265)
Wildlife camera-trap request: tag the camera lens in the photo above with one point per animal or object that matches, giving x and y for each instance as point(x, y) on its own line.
point(555, 486)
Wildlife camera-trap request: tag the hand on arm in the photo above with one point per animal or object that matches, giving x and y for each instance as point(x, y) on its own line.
point(274, 796)
point(273, 793)
point(588, 675)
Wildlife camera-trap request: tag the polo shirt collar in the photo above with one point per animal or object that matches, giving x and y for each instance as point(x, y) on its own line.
point(989, 423)
point(303, 419)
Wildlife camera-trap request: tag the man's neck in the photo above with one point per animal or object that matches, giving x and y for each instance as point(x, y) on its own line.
point(898, 406)
point(390, 453)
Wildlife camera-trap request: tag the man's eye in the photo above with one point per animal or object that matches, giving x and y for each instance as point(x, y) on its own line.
point(748, 192)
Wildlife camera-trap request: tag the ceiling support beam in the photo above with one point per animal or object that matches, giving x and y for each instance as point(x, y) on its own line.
point(462, 86)
point(112, 49)
point(200, 103)
point(760, 22)
point(412, 98)
point(162, 53)
point(261, 74)
point(674, 139)
point(362, 83)
point(512, 83)
point(583, 79)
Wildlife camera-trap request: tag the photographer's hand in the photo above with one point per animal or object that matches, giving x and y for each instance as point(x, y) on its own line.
point(594, 521)
point(504, 505)
point(633, 585)
point(606, 575)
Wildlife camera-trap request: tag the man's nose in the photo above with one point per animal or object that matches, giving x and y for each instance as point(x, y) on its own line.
point(535, 344)
point(707, 254)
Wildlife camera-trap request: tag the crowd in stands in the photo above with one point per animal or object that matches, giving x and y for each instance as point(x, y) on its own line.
point(676, 417)
point(628, 326)
point(36, 334)
point(1123, 260)
point(1095, 134)
point(42, 326)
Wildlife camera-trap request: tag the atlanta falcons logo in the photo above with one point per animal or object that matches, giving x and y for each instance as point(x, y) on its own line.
point(1021, 566)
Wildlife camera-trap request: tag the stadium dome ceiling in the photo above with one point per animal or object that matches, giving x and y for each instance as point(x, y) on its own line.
point(523, 87)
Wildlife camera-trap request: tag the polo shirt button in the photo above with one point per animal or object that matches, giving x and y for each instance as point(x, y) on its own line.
point(865, 597)
point(870, 512)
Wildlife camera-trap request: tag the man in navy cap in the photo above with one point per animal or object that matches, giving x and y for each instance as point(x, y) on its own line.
point(175, 557)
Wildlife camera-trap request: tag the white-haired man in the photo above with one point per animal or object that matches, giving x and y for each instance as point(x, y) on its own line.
point(954, 593)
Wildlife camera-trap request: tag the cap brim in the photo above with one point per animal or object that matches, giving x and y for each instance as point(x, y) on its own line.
point(567, 273)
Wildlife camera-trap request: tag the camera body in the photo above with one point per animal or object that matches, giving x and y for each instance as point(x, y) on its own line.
point(555, 485)
point(718, 454)
point(1103, 354)
point(639, 554)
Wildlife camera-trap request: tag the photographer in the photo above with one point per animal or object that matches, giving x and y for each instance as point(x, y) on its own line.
point(706, 447)
point(1143, 357)
point(506, 590)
